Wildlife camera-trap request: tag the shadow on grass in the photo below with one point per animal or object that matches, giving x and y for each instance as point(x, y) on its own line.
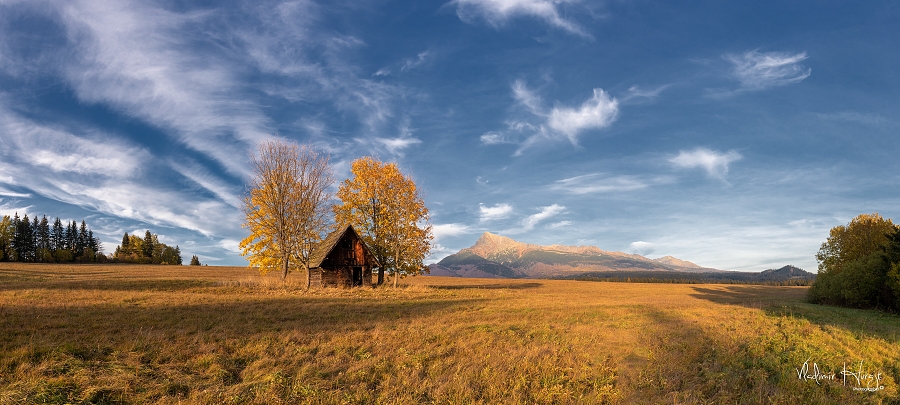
point(791, 302)
point(500, 286)
point(33, 283)
point(246, 317)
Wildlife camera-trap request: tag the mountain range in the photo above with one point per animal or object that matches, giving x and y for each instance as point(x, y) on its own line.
point(495, 256)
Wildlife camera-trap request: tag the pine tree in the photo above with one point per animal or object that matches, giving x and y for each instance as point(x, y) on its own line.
point(93, 243)
point(195, 261)
point(57, 238)
point(178, 255)
point(71, 234)
point(33, 244)
point(81, 240)
point(16, 245)
point(27, 252)
point(126, 245)
point(147, 247)
point(43, 241)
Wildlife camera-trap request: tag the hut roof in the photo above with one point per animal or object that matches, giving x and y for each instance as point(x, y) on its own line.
point(327, 245)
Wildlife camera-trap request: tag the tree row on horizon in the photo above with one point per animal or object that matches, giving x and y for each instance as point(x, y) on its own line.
point(146, 250)
point(37, 241)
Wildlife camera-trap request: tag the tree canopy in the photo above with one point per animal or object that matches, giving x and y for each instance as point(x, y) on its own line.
point(147, 250)
point(385, 208)
point(855, 264)
point(286, 207)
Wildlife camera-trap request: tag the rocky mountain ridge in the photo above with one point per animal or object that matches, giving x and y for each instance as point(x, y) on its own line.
point(500, 256)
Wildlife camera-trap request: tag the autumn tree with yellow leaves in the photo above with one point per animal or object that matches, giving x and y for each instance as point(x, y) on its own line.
point(286, 207)
point(385, 208)
point(857, 262)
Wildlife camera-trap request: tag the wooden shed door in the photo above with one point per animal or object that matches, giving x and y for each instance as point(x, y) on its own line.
point(357, 276)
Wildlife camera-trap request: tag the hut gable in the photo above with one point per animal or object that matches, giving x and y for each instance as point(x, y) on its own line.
point(342, 259)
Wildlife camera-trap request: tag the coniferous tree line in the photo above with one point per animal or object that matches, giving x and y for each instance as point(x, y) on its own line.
point(146, 250)
point(39, 241)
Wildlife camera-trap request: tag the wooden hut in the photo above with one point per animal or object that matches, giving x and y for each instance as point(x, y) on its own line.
point(342, 260)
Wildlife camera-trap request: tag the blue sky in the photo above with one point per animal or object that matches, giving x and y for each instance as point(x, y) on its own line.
point(730, 134)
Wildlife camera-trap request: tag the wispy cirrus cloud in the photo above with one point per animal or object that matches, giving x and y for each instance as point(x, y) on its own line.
point(714, 163)
point(546, 213)
point(756, 70)
point(498, 12)
point(559, 122)
point(600, 183)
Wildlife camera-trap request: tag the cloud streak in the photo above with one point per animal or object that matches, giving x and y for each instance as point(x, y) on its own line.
point(498, 12)
point(757, 71)
point(599, 183)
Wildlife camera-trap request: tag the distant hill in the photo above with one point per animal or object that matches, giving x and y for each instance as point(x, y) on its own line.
point(499, 256)
point(787, 275)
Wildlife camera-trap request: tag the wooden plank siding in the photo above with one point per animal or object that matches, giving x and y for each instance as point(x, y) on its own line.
point(342, 260)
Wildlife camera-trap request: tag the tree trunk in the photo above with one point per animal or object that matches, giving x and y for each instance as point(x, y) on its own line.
point(284, 274)
point(380, 275)
point(308, 277)
point(396, 268)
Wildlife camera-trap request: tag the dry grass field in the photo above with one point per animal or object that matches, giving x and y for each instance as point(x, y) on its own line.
point(156, 334)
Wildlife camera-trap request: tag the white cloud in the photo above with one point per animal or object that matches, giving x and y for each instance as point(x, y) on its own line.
point(496, 212)
point(713, 162)
point(9, 193)
point(527, 98)
point(498, 12)
point(396, 145)
point(636, 92)
point(495, 138)
point(413, 63)
point(598, 112)
point(454, 229)
point(642, 248)
point(546, 213)
point(138, 59)
point(560, 122)
point(598, 183)
point(758, 71)
point(406, 65)
point(560, 224)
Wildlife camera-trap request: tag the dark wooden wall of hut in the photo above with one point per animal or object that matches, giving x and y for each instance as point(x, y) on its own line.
point(338, 267)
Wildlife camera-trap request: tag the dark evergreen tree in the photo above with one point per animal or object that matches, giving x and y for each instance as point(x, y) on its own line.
point(27, 252)
point(81, 240)
point(71, 234)
point(126, 244)
point(44, 234)
point(43, 241)
point(195, 261)
point(57, 236)
point(147, 246)
point(178, 260)
point(93, 243)
point(17, 242)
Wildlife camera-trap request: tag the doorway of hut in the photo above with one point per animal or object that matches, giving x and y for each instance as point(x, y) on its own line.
point(357, 276)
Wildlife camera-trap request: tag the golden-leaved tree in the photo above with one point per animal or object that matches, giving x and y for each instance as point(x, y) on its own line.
point(286, 207)
point(854, 269)
point(385, 208)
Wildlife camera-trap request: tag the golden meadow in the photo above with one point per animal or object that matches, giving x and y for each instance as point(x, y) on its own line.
point(179, 334)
